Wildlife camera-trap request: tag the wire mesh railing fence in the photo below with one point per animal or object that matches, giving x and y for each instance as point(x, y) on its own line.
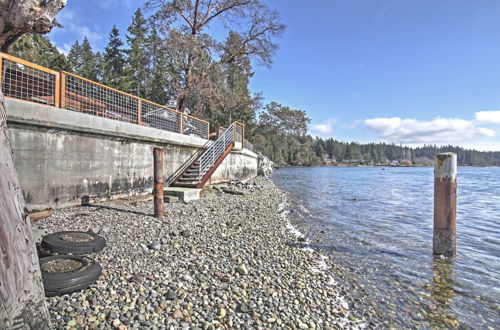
point(86, 96)
point(23, 80)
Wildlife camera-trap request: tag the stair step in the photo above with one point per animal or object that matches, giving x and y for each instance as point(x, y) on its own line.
point(186, 180)
point(190, 177)
point(182, 184)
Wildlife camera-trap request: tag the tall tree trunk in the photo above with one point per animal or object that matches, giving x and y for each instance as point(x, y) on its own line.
point(22, 304)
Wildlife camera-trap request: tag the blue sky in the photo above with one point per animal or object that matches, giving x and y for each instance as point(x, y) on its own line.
point(403, 71)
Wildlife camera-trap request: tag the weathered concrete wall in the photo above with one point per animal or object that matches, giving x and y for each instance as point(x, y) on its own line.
point(62, 155)
point(238, 165)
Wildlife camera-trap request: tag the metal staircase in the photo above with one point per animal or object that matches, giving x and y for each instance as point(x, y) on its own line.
point(200, 167)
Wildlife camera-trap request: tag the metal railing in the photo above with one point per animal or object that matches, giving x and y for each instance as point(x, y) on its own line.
point(30, 82)
point(240, 131)
point(27, 81)
point(187, 163)
point(212, 154)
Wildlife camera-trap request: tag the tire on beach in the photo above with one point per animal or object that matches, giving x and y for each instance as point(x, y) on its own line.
point(73, 242)
point(66, 274)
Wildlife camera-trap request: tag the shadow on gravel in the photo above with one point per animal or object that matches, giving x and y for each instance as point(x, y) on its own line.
point(120, 210)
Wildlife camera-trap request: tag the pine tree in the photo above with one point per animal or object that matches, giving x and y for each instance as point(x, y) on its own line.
point(113, 60)
point(155, 85)
point(136, 71)
point(89, 65)
point(75, 61)
point(39, 49)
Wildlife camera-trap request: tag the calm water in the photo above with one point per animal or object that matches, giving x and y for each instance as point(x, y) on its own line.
point(377, 225)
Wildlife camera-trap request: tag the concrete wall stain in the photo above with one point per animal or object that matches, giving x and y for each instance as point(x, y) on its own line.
point(57, 168)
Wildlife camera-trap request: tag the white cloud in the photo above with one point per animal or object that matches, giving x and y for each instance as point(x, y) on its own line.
point(437, 131)
point(71, 23)
point(488, 117)
point(325, 128)
point(486, 131)
point(105, 4)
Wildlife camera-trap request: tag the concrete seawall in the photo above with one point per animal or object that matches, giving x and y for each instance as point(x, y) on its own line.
point(62, 155)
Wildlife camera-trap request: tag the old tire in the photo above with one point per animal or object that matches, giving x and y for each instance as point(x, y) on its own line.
point(66, 274)
point(73, 242)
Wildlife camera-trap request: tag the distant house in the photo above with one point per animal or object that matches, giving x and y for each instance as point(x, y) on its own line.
point(394, 162)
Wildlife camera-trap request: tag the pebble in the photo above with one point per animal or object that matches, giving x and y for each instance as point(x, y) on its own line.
point(225, 261)
point(156, 245)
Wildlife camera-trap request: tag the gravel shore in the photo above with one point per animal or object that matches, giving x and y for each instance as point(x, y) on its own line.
point(225, 261)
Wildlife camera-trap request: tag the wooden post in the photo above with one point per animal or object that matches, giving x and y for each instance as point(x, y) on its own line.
point(62, 90)
point(139, 111)
point(22, 298)
point(1, 71)
point(158, 178)
point(445, 204)
point(57, 90)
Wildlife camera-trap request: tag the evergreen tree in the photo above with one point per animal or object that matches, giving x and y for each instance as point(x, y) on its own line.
point(156, 82)
point(90, 65)
point(75, 61)
point(137, 68)
point(113, 61)
point(39, 49)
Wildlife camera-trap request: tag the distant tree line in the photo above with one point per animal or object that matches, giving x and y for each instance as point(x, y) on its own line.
point(281, 134)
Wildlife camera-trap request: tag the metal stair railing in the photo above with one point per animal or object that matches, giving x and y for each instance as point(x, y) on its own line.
point(212, 154)
point(177, 174)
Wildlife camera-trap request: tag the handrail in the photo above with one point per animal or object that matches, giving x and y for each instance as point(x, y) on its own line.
point(27, 63)
point(212, 154)
point(56, 93)
point(186, 164)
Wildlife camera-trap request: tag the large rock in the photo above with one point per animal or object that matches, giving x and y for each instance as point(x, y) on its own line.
point(265, 167)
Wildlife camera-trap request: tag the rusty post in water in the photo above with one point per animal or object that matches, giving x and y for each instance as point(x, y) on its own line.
point(445, 204)
point(158, 179)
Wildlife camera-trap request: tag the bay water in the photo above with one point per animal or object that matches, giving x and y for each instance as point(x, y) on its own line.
point(377, 222)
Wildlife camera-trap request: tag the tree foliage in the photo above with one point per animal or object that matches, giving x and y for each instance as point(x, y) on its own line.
point(202, 70)
point(39, 49)
point(113, 61)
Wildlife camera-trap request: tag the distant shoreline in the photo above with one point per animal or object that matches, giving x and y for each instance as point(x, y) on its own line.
point(383, 166)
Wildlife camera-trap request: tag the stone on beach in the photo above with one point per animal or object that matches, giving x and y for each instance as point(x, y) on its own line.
point(225, 261)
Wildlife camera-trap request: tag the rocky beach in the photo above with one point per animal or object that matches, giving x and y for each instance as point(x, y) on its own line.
point(229, 260)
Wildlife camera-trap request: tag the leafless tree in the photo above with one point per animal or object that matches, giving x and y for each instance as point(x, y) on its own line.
point(22, 304)
point(195, 55)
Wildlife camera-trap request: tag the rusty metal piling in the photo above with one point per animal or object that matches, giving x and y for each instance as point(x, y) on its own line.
point(445, 204)
point(158, 182)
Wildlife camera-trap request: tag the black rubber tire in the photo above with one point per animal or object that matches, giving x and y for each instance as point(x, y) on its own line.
point(61, 283)
point(55, 244)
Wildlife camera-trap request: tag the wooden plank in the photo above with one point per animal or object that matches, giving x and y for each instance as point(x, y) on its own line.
point(62, 90)
point(1, 71)
point(139, 111)
point(41, 214)
point(57, 90)
point(24, 62)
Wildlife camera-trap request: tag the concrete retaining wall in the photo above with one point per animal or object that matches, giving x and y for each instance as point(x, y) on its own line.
point(61, 155)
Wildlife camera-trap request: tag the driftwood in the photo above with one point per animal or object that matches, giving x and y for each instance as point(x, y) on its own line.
point(35, 216)
point(22, 298)
point(232, 191)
